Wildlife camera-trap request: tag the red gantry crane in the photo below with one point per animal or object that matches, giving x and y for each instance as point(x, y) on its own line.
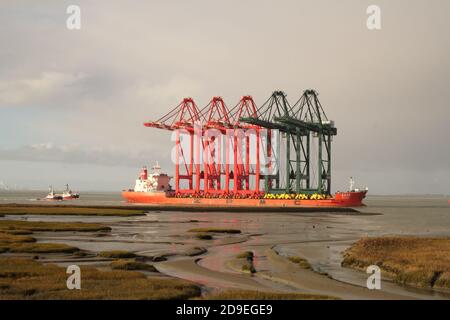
point(210, 131)
point(182, 119)
point(216, 123)
point(242, 149)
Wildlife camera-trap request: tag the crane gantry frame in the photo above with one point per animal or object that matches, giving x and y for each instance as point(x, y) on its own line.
point(292, 127)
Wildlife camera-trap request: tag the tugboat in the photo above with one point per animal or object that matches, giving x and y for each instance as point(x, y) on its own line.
point(52, 195)
point(69, 195)
point(154, 189)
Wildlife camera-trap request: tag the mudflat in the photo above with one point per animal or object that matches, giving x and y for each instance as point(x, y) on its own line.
point(205, 249)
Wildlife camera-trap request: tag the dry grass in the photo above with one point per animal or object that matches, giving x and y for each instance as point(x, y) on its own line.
point(247, 267)
point(21, 227)
point(17, 231)
point(303, 263)
point(117, 254)
point(204, 236)
point(214, 230)
point(67, 211)
point(423, 262)
point(245, 255)
point(13, 238)
point(41, 248)
point(132, 265)
point(25, 244)
point(258, 295)
point(27, 279)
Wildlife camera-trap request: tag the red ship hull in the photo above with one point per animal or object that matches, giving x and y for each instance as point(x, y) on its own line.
point(341, 199)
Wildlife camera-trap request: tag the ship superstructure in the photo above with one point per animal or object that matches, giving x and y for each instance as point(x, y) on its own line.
point(153, 182)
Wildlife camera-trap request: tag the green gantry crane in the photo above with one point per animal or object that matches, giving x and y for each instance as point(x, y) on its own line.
point(298, 124)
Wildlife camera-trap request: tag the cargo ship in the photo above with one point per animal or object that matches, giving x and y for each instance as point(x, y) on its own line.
point(222, 156)
point(155, 189)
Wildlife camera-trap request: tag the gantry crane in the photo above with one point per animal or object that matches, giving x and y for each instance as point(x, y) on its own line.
point(182, 119)
point(287, 144)
point(297, 125)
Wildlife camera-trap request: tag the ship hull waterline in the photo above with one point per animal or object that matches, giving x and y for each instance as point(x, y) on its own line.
point(160, 199)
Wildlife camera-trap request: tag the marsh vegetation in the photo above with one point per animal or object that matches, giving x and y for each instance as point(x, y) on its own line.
point(28, 279)
point(67, 210)
point(423, 262)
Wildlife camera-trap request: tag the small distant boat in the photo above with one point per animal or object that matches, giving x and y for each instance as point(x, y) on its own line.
point(68, 194)
point(52, 195)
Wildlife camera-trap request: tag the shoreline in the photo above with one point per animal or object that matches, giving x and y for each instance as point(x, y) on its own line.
point(184, 208)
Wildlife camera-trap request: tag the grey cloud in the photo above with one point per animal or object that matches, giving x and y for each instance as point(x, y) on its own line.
point(38, 89)
point(73, 154)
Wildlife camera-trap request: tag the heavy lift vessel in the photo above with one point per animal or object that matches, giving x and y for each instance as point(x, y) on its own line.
point(276, 156)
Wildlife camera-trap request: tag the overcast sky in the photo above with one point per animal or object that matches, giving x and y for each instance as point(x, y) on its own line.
point(72, 103)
